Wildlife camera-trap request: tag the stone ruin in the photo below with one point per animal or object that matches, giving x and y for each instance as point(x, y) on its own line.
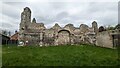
point(33, 33)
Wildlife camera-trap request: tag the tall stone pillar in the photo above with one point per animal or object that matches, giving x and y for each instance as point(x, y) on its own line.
point(25, 21)
point(25, 18)
point(55, 39)
point(95, 27)
point(41, 39)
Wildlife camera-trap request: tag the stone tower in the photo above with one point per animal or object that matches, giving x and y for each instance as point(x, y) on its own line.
point(25, 21)
point(95, 27)
point(25, 18)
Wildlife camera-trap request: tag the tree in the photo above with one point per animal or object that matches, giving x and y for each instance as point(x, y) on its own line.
point(4, 32)
point(9, 33)
point(117, 26)
point(110, 28)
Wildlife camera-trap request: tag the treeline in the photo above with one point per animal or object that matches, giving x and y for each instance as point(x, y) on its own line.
point(7, 33)
point(103, 28)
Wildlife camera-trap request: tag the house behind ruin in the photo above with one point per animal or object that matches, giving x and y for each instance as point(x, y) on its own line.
point(33, 33)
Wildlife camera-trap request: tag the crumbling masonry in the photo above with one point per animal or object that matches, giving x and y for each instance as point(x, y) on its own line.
point(32, 33)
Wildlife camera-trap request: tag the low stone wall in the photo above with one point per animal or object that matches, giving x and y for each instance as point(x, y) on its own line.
point(104, 39)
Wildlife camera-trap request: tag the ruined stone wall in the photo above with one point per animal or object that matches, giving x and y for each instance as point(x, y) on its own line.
point(37, 34)
point(84, 28)
point(104, 39)
point(63, 37)
point(69, 27)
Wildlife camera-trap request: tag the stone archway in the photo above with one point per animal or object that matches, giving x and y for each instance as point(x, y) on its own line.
point(63, 37)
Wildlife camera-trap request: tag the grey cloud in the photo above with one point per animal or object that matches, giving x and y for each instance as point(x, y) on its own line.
point(105, 13)
point(7, 25)
point(11, 11)
point(62, 15)
point(58, 5)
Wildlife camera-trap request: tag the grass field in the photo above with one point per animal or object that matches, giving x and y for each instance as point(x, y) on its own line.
point(81, 55)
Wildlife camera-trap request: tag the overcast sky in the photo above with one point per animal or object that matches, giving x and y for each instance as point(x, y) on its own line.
point(49, 13)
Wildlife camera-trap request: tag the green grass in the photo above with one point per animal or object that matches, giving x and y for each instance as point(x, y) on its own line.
point(84, 55)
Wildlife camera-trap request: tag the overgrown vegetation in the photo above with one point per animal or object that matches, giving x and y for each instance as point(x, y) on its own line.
point(78, 55)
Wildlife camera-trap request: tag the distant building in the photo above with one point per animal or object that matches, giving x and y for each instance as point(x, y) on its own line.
point(14, 38)
point(5, 39)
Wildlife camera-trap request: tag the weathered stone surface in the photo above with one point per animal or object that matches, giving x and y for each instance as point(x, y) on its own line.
point(56, 28)
point(95, 26)
point(63, 37)
point(104, 39)
point(69, 27)
point(84, 28)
